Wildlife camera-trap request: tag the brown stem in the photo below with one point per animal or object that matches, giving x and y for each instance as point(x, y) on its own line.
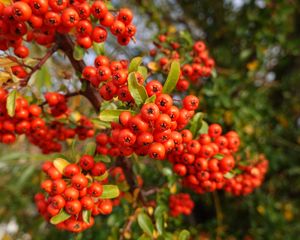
point(42, 61)
point(66, 44)
point(219, 215)
point(126, 165)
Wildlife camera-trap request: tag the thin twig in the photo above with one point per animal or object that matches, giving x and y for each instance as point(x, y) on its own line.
point(219, 215)
point(38, 66)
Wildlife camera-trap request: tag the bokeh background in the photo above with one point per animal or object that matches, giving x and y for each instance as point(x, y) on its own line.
point(256, 91)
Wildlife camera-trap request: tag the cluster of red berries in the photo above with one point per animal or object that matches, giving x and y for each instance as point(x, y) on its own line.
point(197, 65)
point(203, 162)
point(73, 190)
point(57, 103)
point(153, 131)
point(27, 120)
point(180, 203)
point(251, 178)
point(110, 77)
point(46, 18)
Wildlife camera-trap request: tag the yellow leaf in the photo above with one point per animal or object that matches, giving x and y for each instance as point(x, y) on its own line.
point(252, 65)
point(60, 164)
point(4, 77)
point(5, 2)
point(150, 210)
point(173, 189)
point(288, 215)
point(261, 210)
point(153, 66)
point(172, 29)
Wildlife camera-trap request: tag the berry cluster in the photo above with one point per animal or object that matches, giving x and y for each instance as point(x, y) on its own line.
point(180, 203)
point(110, 77)
point(73, 190)
point(27, 120)
point(204, 162)
point(153, 131)
point(251, 178)
point(40, 20)
point(195, 59)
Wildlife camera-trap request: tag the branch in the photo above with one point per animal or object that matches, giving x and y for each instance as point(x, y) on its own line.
point(66, 44)
point(126, 165)
point(38, 66)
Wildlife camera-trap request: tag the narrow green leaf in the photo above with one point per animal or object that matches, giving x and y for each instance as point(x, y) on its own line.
point(151, 99)
point(134, 64)
point(137, 91)
point(100, 124)
point(219, 156)
point(196, 123)
point(184, 235)
point(86, 215)
point(11, 103)
point(26, 174)
point(214, 73)
point(143, 70)
point(145, 223)
point(110, 191)
point(60, 217)
point(78, 53)
point(99, 48)
point(102, 158)
point(90, 148)
point(204, 128)
point(102, 177)
point(159, 223)
point(112, 115)
point(172, 78)
point(159, 218)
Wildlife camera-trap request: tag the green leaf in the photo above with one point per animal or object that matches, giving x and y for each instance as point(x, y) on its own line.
point(112, 115)
point(137, 91)
point(86, 215)
point(145, 223)
point(11, 103)
point(42, 78)
point(90, 148)
point(134, 64)
point(143, 70)
point(99, 48)
point(196, 123)
point(229, 175)
point(100, 124)
point(102, 158)
point(110, 191)
point(60, 217)
point(144, 237)
point(78, 53)
point(167, 171)
point(159, 218)
point(184, 235)
point(204, 128)
point(151, 99)
point(26, 174)
point(172, 78)
point(218, 156)
point(214, 73)
point(102, 177)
